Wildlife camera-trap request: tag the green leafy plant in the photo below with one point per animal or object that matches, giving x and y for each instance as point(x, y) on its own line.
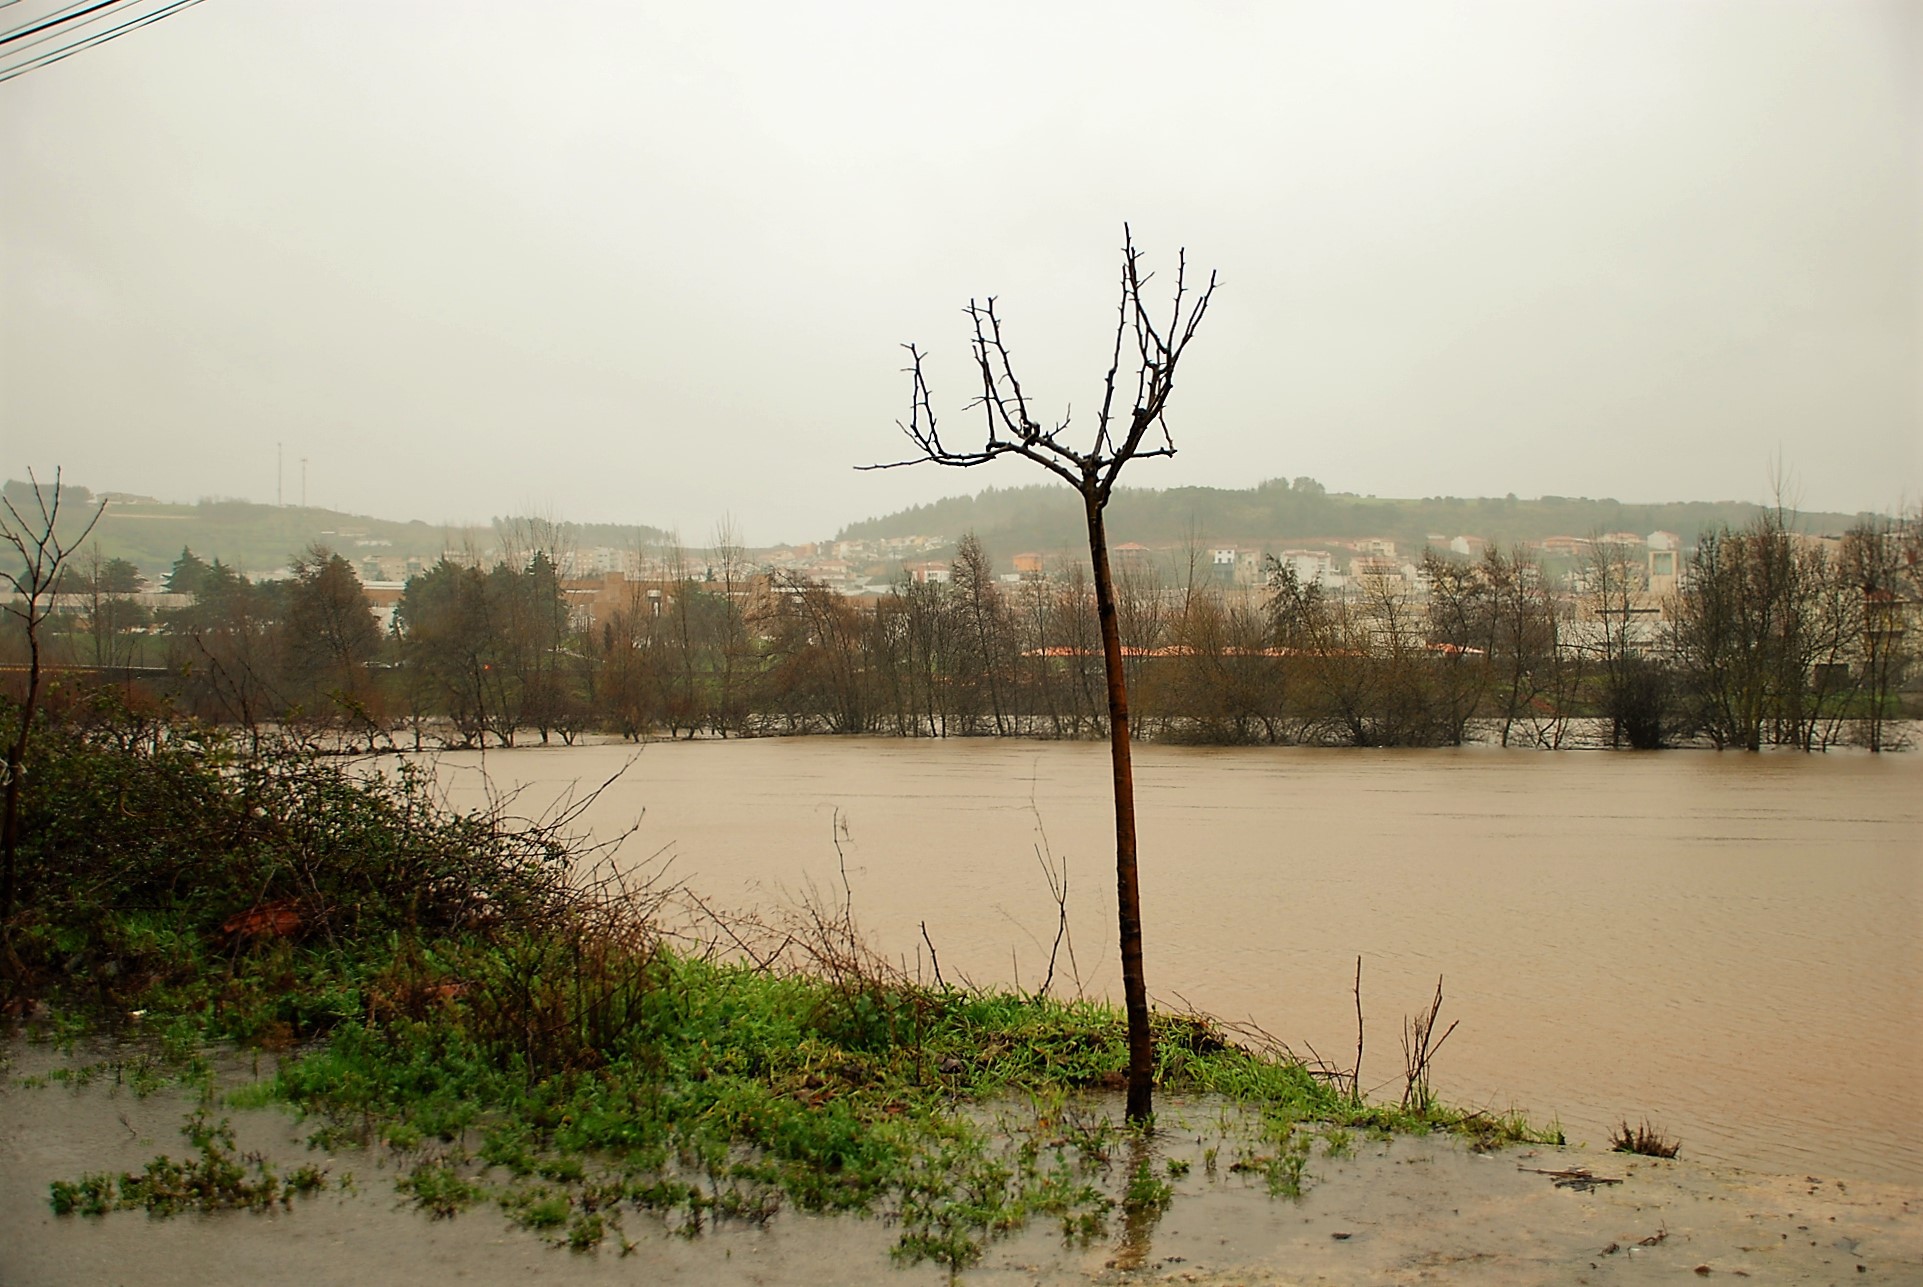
point(439, 1188)
point(217, 1179)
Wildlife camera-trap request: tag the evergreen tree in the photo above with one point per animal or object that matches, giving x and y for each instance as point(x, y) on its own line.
point(329, 634)
point(188, 574)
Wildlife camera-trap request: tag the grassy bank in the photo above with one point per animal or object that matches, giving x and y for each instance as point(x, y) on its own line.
point(529, 1028)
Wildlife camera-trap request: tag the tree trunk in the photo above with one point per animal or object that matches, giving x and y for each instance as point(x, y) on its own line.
point(16, 767)
point(1141, 1050)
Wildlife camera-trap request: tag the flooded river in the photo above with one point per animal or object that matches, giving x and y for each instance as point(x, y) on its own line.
point(1728, 945)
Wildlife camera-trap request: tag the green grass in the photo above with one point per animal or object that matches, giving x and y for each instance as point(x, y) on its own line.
point(733, 1093)
point(437, 984)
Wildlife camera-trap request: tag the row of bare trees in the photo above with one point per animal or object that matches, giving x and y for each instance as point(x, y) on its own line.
point(1773, 639)
point(1491, 648)
point(1383, 666)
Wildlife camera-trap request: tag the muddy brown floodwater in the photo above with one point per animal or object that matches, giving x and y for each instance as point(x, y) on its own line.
point(1728, 945)
point(1731, 946)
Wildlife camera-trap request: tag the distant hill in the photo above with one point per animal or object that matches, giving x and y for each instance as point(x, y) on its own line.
point(257, 539)
point(1048, 518)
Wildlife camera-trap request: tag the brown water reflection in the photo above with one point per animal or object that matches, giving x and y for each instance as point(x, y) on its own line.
point(1730, 945)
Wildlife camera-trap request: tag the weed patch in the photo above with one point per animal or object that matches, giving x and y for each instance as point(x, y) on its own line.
point(217, 1179)
point(1644, 1140)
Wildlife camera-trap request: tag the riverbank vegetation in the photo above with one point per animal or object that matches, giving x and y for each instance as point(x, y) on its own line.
point(1769, 638)
point(530, 1025)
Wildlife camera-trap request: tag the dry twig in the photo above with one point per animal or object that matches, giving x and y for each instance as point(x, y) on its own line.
point(1419, 1047)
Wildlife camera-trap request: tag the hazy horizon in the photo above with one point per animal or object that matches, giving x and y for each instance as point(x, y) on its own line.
point(648, 265)
point(699, 539)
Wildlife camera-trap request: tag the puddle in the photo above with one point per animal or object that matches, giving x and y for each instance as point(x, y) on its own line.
point(1404, 1210)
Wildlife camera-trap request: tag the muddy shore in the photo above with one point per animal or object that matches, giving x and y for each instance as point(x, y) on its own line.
point(1403, 1210)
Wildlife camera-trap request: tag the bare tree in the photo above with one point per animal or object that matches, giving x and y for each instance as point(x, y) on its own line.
point(1531, 681)
point(818, 658)
point(979, 600)
point(733, 649)
point(107, 588)
point(927, 647)
point(1142, 623)
point(1122, 433)
point(1880, 563)
point(1462, 624)
point(675, 633)
point(1764, 630)
point(1078, 635)
point(39, 562)
point(1636, 690)
point(1035, 600)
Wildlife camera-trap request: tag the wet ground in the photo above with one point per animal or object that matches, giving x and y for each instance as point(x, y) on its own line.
point(1407, 1210)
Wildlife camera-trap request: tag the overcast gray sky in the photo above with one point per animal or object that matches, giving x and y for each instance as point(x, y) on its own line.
point(650, 263)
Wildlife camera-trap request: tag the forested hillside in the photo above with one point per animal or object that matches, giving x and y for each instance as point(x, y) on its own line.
point(1045, 517)
point(256, 538)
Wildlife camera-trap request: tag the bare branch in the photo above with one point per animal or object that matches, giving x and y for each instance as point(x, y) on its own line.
point(1103, 442)
point(1009, 423)
point(43, 554)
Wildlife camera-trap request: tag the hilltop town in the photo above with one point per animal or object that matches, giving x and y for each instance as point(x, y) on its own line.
point(602, 567)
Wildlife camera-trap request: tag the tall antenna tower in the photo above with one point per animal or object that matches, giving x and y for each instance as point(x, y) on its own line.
point(280, 473)
point(303, 482)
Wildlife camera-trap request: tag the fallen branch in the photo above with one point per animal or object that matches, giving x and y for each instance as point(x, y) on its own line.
point(1576, 1177)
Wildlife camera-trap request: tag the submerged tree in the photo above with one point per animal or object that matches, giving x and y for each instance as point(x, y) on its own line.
point(329, 636)
point(1764, 631)
point(1122, 433)
point(225, 640)
point(1882, 564)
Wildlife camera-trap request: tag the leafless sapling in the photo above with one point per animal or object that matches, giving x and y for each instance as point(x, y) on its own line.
point(1130, 423)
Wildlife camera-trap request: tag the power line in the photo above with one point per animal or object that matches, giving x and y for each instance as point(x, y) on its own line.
point(52, 56)
point(54, 20)
point(70, 24)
